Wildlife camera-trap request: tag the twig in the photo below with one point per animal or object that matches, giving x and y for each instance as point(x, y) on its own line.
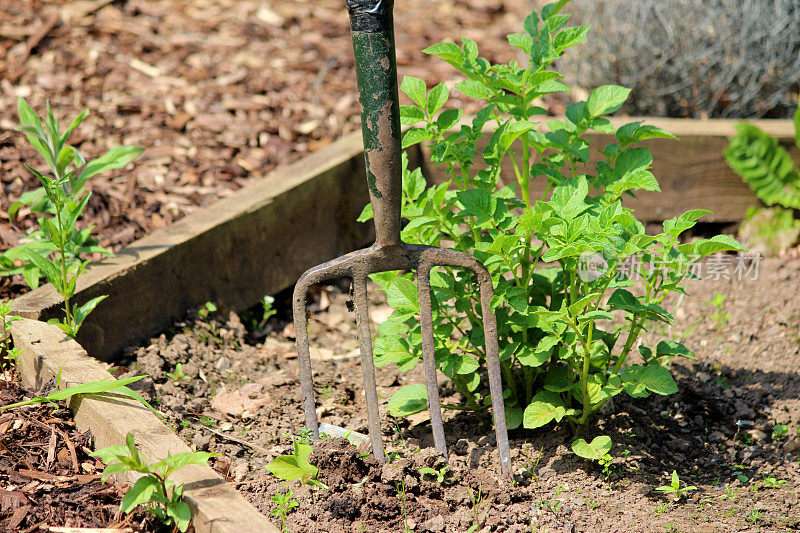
point(255, 447)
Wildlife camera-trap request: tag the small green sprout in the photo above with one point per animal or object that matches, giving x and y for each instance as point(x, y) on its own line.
point(772, 483)
point(439, 474)
point(177, 375)
point(285, 503)
point(675, 487)
point(162, 497)
point(207, 309)
point(296, 466)
point(780, 432)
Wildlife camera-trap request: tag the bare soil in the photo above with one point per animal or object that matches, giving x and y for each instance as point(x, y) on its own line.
point(47, 478)
point(218, 92)
point(732, 430)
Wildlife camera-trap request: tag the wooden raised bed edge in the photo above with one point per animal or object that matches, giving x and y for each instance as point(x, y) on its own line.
point(216, 505)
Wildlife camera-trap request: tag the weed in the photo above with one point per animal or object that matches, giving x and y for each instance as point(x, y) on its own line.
point(8, 354)
point(161, 496)
point(754, 516)
point(720, 316)
point(284, 503)
point(438, 474)
point(772, 483)
point(675, 487)
point(56, 250)
point(207, 421)
point(177, 376)
point(562, 358)
point(480, 507)
point(207, 309)
point(90, 388)
point(296, 466)
point(661, 507)
point(401, 495)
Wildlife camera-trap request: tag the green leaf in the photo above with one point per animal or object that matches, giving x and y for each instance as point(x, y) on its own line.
point(117, 157)
point(606, 99)
point(673, 349)
point(80, 313)
point(402, 295)
point(181, 513)
point(285, 467)
point(570, 37)
point(141, 492)
point(652, 377)
point(410, 115)
point(415, 136)
point(93, 387)
point(676, 226)
point(479, 203)
point(594, 450)
point(717, 243)
point(415, 89)
point(450, 52)
point(474, 89)
point(408, 400)
point(174, 462)
point(366, 214)
point(48, 268)
point(437, 98)
point(546, 407)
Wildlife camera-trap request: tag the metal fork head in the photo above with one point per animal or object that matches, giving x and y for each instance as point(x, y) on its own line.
point(357, 266)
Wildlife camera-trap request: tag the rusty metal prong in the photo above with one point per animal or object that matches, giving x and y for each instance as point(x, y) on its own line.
point(303, 353)
point(451, 258)
point(361, 304)
point(429, 357)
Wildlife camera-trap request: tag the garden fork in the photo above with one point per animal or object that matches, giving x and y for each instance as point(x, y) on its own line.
point(376, 74)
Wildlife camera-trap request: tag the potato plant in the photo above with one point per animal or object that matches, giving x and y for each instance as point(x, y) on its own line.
point(576, 278)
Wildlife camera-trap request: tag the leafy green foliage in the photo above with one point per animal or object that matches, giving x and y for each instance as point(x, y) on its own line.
point(296, 466)
point(284, 503)
point(565, 337)
point(765, 165)
point(438, 474)
point(675, 488)
point(8, 354)
point(90, 388)
point(161, 496)
point(57, 248)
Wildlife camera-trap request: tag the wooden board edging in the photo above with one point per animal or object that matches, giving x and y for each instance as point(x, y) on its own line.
point(217, 507)
point(255, 242)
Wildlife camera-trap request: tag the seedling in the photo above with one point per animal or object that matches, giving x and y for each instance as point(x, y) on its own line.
point(207, 309)
point(661, 507)
point(284, 503)
point(772, 483)
point(177, 376)
point(675, 487)
point(480, 503)
point(296, 466)
point(160, 495)
point(8, 354)
point(720, 316)
point(439, 474)
point(57, 249)
point(401, 495)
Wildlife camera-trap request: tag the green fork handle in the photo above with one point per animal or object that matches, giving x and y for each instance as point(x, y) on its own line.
point(372, 29)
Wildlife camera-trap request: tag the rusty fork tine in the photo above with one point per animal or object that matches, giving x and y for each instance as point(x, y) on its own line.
point(303, 353)
point(451, 258)
point(361, 305)
point(429, 355)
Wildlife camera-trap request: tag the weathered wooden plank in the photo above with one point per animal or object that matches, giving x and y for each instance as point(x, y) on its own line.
point(692, 170)
point(216, 505)
point(257, 241)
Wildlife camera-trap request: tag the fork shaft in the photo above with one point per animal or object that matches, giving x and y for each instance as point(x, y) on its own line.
point(372, 30)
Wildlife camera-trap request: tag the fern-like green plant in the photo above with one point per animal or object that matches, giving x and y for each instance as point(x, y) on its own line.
point(765, 165)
